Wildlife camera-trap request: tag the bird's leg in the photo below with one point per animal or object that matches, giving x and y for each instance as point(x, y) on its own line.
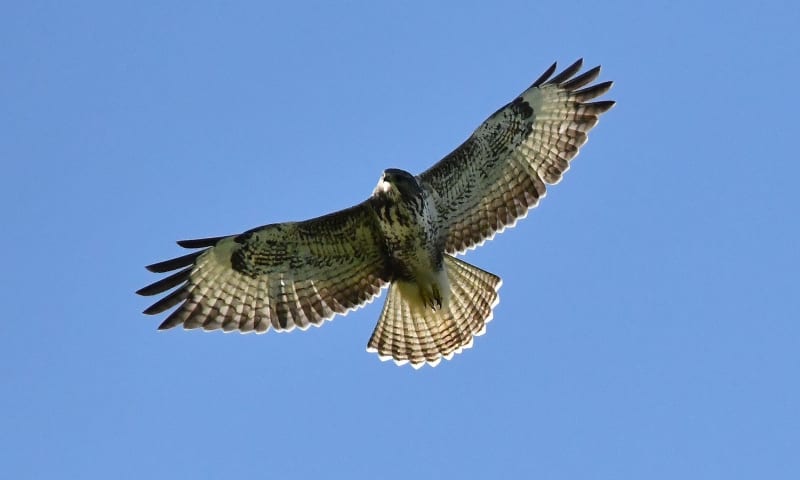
point(427, 292)
point(434, 291)
point(431, 297)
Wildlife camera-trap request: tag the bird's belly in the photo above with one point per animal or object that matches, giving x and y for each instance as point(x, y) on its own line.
point(420, 275)
point(411, 256)
point(415, 258)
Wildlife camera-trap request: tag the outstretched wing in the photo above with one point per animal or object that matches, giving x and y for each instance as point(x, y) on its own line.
point(277, 276)
point(502, 170)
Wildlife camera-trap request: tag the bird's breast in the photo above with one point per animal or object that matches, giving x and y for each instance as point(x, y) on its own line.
point(411, 238)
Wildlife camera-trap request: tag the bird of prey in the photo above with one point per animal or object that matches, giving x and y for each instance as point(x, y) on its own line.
point(404, 236)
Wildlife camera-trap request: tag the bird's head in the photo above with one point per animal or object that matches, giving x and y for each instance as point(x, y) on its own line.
point(398, 183)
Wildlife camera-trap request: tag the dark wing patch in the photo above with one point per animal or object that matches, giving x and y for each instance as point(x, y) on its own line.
point(278, 276)
point(500, 172)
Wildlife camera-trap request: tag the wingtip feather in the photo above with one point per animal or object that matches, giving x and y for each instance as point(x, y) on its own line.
point(583, 79)
point(543, 77)
point(602, 106)
point(199, 242)
point(165, 283)
point(167, 302)
point(174, 263)
point(593, 91)
point(567, 73)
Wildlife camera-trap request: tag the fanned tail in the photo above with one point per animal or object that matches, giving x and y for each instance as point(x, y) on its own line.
point(415, 336)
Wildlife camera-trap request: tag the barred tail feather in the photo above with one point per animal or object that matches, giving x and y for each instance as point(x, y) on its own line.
point(409, 335)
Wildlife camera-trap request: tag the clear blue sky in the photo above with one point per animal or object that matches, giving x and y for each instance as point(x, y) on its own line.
point(648, 324)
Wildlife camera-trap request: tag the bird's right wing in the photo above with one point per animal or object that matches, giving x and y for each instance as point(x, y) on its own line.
point(277, 276)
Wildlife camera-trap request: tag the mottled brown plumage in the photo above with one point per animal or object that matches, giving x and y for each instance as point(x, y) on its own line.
point(298, 274)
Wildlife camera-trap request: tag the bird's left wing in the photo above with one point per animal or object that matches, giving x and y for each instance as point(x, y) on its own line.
point(502, 170)
point(278, 276)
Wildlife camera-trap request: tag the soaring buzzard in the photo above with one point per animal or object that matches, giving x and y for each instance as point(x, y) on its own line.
point(405, 235)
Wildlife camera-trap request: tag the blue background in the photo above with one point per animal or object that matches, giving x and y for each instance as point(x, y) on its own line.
point(648, 323)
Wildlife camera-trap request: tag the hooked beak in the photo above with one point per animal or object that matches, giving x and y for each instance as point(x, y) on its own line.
point(383, 184)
